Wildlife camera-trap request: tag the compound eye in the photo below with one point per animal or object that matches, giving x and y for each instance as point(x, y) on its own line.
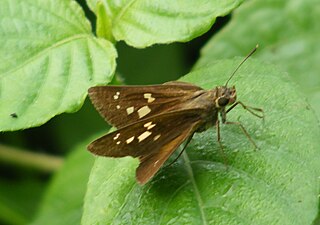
point(223, 101)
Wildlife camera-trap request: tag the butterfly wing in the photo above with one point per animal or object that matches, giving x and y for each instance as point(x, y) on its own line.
point(122, 105)
point(152, 140)
point(150, 164)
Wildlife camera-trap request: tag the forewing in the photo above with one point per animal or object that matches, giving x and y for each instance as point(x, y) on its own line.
point(123, 105)
point(152, 140)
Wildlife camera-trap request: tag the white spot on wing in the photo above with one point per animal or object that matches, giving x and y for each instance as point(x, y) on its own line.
point(116, 96)
point(151, 126)
point(116, 137)
point(130, 110)
point(147, 124)
point(156, 137)
point(143, 111)
point(118, 106)
point(148, 96)
point(144, 135)
point(118, 142)
point(155, 163)
point(129, 140)
point(150, 100)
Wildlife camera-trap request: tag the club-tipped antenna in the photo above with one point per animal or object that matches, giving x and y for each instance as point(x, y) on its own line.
point(245, 59)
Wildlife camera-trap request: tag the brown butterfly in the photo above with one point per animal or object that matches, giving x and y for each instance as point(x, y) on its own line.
point(154, 120)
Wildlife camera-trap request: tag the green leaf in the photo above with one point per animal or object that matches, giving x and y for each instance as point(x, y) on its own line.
point(276, 184)
point(48, 60)
point(103, 23)
point(64, 198)
point(144, 23)
point(288, 33)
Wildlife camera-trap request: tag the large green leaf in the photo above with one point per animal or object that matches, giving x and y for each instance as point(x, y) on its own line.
point(142, 23)
point(276, 184)
point(48, 59)
point(288, 33)
point(64, 198)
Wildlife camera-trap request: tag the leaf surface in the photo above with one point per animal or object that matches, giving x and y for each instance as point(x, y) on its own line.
point(48, 60)
point(142, 23)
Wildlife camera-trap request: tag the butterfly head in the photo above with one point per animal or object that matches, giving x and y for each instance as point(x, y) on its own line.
point(225, 96)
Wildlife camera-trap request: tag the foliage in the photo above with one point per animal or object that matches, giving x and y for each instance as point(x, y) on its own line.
point(50, 57)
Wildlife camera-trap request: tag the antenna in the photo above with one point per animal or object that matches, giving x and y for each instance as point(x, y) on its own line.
point(245, 59)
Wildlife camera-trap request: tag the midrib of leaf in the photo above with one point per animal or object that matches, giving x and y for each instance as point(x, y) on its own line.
point(195, 187)
point(123, 11)
point(44, 51)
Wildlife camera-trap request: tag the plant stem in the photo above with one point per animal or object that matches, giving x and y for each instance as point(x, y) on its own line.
point(29, 159)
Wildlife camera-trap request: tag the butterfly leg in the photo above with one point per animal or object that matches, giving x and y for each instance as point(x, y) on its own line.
point(219, 141)
point(244, 131)
point(184, 148)
point(250, 109)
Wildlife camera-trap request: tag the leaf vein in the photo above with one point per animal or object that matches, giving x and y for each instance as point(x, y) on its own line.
point(123, 11)
point(45, 51)
point(195, 187)
point(37, 90)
